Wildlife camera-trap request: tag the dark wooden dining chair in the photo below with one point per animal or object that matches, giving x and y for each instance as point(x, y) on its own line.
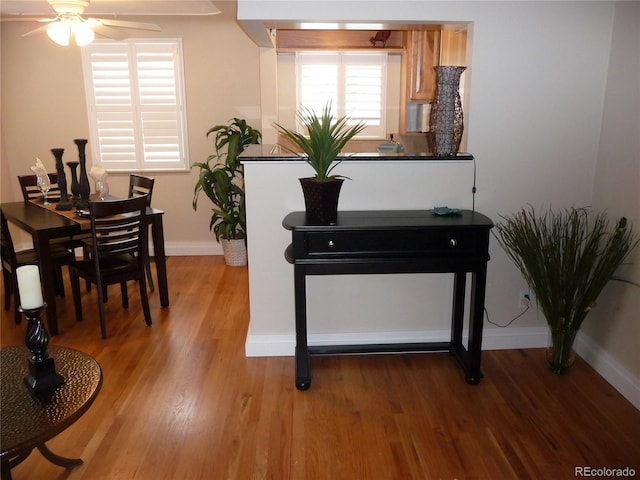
point(140, 186)
point(12, 259)
point(119, 249)
point(30, 189)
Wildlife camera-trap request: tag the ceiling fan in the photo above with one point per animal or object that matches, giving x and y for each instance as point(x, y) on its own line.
point(69, 21)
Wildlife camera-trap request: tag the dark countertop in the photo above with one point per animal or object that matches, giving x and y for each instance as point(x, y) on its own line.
point(270, 152)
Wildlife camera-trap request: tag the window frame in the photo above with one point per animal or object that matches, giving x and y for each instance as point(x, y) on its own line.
point(155, 133)
point(343, 61)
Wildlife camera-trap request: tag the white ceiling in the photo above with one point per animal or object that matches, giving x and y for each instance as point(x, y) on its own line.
point(10, 8)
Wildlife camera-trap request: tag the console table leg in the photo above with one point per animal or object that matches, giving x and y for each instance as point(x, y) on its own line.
point(303, 373)
point(476, 316)
point(457, 320)
point(303, 366)
point(57, 459)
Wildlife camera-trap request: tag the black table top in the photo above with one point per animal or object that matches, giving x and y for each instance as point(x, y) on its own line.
point(29, 419)
point(390, 219)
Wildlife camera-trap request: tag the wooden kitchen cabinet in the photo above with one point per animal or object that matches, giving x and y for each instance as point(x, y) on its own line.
point(422, 53)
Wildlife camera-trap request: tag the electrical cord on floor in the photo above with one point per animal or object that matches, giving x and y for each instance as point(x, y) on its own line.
point(527, 307)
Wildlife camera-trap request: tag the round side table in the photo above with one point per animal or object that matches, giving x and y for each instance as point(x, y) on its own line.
point(28, 419)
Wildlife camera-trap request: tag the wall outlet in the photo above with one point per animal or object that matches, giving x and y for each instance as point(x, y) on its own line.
point(524, 299)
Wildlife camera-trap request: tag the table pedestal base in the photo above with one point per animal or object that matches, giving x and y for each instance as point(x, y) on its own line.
point(10, 463)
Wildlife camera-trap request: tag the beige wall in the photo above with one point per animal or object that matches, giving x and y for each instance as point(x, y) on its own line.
point(43, 106)
point(614, 325)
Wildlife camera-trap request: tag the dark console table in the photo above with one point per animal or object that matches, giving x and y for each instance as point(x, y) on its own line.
point(406, 241)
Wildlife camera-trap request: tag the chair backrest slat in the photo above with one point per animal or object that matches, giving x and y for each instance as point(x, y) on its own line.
point(139, 186)
point(30, 190)
point(116, 228)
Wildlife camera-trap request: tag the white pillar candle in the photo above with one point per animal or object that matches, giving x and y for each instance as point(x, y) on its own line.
point(29, 287)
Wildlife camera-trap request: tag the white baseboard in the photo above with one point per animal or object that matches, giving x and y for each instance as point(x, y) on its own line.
point(270, 345)
point(187, 249)
point(513, 338)
point(493, 339)
point(173, 249)
point(609, 368)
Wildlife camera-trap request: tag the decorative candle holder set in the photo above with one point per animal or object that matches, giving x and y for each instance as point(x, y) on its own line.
point(80, 188)
point(42, 370)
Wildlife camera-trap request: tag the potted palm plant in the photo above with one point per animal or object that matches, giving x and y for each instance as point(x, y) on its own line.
point(566, 258)
point(326, 138)
point(221, 178)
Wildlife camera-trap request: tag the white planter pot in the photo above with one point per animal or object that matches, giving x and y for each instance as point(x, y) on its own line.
point(235, 252)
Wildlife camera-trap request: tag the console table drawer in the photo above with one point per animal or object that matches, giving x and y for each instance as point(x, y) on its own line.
point(391, 243)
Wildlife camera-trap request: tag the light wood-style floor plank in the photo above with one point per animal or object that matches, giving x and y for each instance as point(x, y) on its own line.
point(181, 401)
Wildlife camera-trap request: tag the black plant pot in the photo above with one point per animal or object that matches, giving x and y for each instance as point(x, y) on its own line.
point(321, 200)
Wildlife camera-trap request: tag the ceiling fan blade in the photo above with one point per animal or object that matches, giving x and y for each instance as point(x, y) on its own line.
point(126, 24)
point(36, 31)
point(108, 32)
point(27, 19)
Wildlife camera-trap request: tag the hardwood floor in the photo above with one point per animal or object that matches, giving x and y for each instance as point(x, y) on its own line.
point(181, 401)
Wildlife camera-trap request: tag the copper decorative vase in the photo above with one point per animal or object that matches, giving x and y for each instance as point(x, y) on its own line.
point(446, 118)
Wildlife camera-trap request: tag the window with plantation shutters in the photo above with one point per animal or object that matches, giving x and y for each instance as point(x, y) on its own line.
point(354, 83)
point(135, 99)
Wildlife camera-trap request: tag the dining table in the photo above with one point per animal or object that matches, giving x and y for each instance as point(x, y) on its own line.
point(44, 223)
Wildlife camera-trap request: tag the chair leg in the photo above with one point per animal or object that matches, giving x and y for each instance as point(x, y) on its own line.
point(103, 325)
point(144, 298)
point(7, 281)
point(59, 282)
point(125, 294)
point(147, 267)
point(16, 299)
point(86, 255)
point(75, 289)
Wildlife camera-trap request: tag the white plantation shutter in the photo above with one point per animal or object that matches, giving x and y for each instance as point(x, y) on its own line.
point(318, 80)
point(135, 98)
point(354, 83)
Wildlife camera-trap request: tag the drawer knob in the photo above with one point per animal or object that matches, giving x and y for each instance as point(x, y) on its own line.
point(453, 242)
point(331, 244)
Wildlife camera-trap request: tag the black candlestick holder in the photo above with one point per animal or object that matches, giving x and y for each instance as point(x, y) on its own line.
point(42, 370)
point(64, 203)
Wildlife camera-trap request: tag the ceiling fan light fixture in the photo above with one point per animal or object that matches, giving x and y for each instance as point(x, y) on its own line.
point(59, 32)
point(82, 33)
point(69, 20)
